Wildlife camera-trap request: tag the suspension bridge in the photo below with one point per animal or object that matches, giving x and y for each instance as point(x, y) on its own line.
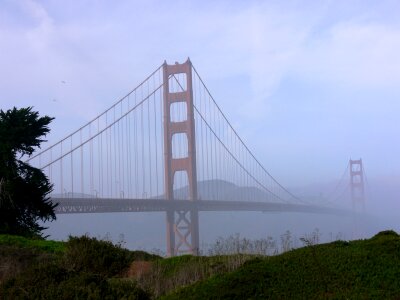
point(167, 146)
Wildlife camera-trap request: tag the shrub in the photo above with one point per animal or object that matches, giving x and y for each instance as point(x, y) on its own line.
point(85, 254)
point(14, 260)
point(54, 282)
point(387, 233)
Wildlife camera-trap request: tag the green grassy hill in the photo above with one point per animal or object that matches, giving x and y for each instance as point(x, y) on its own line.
point(365, 269)
point(86, 268)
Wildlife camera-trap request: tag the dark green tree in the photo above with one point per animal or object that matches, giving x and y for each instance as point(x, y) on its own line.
point(24, 190)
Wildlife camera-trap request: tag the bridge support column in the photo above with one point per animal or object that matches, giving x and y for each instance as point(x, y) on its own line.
point(357, 184)
point(357, 196)
point(182, 225)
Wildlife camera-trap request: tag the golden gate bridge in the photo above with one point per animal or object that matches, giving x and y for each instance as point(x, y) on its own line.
point(167, 146)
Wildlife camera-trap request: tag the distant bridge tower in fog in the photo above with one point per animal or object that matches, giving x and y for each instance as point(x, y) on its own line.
point(357, 185)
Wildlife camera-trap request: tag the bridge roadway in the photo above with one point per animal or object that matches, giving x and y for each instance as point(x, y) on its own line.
point(108, 205)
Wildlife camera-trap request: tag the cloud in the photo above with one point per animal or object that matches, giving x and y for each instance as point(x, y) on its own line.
point(103, 52)
point(98, 57)
point(363, 55)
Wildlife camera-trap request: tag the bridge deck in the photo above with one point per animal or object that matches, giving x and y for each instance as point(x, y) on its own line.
point(107, 205)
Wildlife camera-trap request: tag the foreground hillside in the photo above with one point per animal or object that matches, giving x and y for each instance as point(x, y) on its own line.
point(368, 269)
point(85, 268)
point(82, 268)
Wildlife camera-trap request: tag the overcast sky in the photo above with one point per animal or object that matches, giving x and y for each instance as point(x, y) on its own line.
point(307, 84)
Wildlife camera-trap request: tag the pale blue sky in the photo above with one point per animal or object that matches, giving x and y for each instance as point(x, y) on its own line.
point(307, 84)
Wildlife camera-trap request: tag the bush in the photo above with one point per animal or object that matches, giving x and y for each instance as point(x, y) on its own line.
point(54, 282)
point(85, 254)
point(387, 233)
point(14, 260)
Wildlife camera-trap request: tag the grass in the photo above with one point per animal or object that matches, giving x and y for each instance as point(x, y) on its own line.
point(168, 274)
point(368, 269)
point(39, 244)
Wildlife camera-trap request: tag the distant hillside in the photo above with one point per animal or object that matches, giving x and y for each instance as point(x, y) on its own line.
point(223, 190)
point(207, 190)
point(73, 195)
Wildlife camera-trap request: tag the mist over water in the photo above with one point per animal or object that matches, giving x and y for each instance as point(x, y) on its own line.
point(147, 231)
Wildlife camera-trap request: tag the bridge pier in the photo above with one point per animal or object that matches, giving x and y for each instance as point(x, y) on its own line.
point(357, 184)
point(357, 196)
point(182, 225)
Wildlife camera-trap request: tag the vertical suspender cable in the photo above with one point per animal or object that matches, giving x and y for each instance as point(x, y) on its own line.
point(161, 129)
point(128, 149)
point(142, 134)
point(215, 153)
point(211, 152)
point(119, 148)
point(135, 149)
point(149, 140)
point(90, 160)
point(98, 155)
point(114, 136)
point(82, 189)
point(61, 169)
point(100, 160)
point(155, 137)
point(72, 170)
point(51, 166)
point(207, 157)
point(105, 176)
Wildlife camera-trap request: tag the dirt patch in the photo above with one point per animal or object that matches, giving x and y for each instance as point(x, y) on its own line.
point(138, 269)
